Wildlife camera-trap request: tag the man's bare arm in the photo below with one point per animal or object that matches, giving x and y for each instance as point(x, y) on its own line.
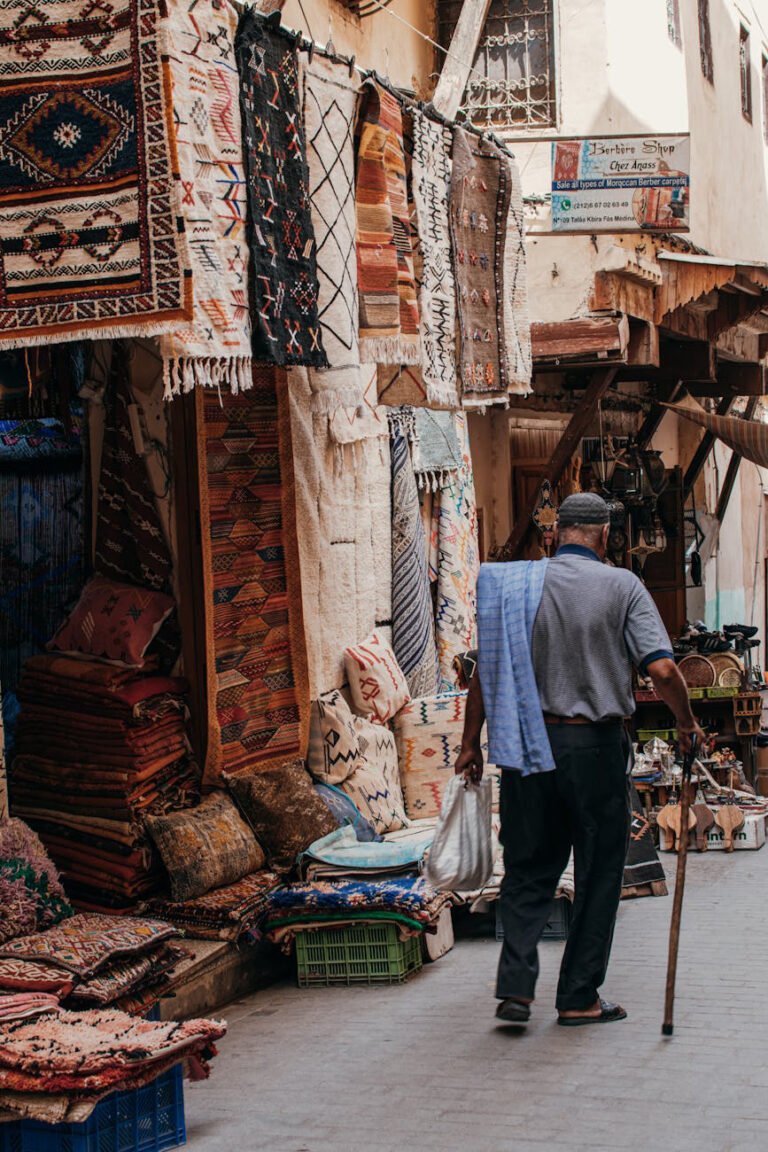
point(470, 759)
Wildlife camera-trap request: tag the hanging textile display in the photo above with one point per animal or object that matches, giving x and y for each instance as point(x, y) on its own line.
point(481, 196)
point(329, 102)
point(455, 562)
point(437, 454)
point(431, 178)
point(747, 437)
point(90, 224)
point(257, 695)
point(130, 542)
point(413, 639)
point(215, 348)
point(283, 276)
point(389, 313)
point(517, 321)
point(343, 524)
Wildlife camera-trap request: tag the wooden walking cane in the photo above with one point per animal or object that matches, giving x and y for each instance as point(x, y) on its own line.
point(668, 1026)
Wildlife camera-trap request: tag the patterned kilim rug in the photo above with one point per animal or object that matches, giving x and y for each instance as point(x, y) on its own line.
point(215, 349)
point(642, 865)
point(89, 220)
point(258, 701)
point(413, 637)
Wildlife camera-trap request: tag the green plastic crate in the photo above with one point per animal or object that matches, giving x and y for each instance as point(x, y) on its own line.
point(356, 954)
point(646, 734)
point(721, 693)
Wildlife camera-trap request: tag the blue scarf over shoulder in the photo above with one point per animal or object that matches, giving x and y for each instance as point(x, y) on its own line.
point(508, 598)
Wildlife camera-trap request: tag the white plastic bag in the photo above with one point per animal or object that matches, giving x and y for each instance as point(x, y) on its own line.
point(461, 856)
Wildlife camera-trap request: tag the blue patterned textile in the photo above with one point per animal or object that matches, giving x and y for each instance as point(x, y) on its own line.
point(508, 598)
point(343, 850)
point(409, 896)
point(345, 811)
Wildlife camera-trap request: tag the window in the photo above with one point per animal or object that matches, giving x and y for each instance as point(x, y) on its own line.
point(745, 74)
point(764, 77)
point(513, 81)
point(705, 42)
point(673, 23)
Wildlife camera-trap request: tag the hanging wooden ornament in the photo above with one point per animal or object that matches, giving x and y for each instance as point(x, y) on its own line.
point(545, 516)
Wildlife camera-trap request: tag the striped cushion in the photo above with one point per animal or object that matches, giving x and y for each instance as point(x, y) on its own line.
point(376, 680)
point(334, 749)
point(428, 732)
point(375, 787)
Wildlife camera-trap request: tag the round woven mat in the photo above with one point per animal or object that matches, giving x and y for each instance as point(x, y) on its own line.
point(698, 671)
point(728, 668)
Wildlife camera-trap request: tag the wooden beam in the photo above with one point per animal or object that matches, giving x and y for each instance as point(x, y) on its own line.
point(455, 73)
point(587, 338)
point(745, 378)
point(644, 346)
point(669, 391)
point(701, 455)
point(724, 496)
point(560, 458)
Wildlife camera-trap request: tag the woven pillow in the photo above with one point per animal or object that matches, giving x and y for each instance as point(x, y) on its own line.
point(283, 809)
point(334, 750)
point(115, 622)
point(205, 847)
point(428, 732)
point(376, 680)
point(375, 788)
point(31, 896)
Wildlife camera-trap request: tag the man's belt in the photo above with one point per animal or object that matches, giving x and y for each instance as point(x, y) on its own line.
point(550, 718)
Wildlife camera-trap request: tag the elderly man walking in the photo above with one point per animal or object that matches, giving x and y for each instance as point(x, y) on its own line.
point(557, 642)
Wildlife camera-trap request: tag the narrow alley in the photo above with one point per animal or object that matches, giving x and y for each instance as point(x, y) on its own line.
point(425, 1065)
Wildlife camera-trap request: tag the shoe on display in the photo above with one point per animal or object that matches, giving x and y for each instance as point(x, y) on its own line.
point(746, 630)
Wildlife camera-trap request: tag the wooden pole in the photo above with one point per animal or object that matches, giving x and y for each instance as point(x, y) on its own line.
point(668, 1026)
point(669, 393)
point(455, 73)
point(702, 453)
point(584, 414)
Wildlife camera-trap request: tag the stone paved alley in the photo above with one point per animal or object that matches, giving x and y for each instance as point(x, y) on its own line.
point(424, 1066)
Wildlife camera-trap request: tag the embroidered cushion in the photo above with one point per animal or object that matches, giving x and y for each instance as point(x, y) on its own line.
point(344, 811)
point(283, 809)
point(115, 622)
point(428, 732)
point(376, 680)
point(334, 750)
point(375, 787)
point(205, 847)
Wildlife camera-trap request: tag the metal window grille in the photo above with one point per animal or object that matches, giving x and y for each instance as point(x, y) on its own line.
point(674, 28)
point(363, 8)
point(705, 42)
point(745, 74)
point(513, 78)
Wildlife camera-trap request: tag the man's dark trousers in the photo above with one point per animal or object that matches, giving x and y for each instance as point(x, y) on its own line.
point(583, 804)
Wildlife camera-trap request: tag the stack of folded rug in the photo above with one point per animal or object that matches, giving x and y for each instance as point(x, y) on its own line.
point(90, 959)
point(56, 1065)
point(409, 901)
point(98, 746)
point(223, 913)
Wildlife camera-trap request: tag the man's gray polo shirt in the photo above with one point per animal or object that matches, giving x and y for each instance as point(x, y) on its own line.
point(594, 622)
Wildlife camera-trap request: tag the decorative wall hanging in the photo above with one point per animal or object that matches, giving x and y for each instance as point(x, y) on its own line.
point(389, 314)
point(90, 223)
point(329, 101)
point(485, 256)
point(545, 516)
point(284, 287)
point(258, 701)
point(215, 348)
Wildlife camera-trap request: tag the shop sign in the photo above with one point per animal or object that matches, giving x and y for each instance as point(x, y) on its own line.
point(621, 184)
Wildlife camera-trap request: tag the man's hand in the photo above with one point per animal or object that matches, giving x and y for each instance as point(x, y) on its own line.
point(469, 763)
point(685, 734)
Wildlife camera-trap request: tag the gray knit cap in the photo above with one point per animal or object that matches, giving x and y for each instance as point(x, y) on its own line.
point(583, 508)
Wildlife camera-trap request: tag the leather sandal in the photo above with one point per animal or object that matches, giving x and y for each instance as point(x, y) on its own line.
point(608, 1013)
point(512, 1011)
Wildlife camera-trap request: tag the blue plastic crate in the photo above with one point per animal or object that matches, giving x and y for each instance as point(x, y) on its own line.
point(145, 1119)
